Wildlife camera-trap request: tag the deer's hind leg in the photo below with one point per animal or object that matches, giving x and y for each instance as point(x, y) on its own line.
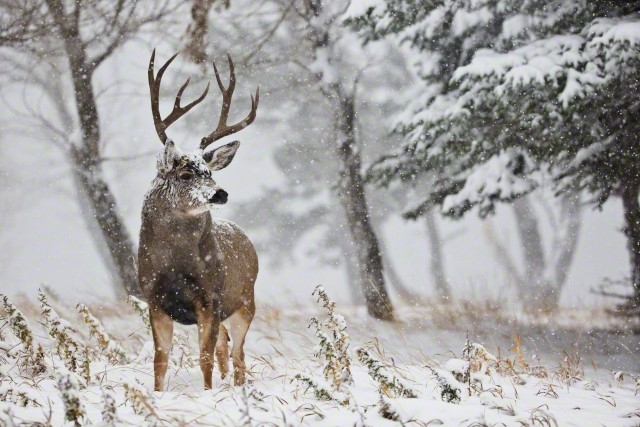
point(238, 324)
point(222, 351)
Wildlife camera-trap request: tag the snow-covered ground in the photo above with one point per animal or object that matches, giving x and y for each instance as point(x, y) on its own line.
point(551, 372)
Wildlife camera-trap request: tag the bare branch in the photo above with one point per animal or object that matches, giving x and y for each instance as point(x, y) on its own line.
point(131, 157)
point(270, 34)
point(126, 30)
point(16, 22)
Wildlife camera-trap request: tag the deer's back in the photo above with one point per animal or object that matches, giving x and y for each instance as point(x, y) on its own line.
point(239, 262)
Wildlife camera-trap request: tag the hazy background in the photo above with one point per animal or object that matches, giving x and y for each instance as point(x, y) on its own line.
point(44, 241)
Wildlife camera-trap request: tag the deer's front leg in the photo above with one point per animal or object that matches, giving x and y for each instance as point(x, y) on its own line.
point(208, 325)
point(162, 330)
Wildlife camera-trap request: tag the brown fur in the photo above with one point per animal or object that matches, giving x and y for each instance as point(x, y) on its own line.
point(220, 266)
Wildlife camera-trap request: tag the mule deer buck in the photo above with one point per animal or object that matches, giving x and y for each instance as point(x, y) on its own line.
point(194, 269)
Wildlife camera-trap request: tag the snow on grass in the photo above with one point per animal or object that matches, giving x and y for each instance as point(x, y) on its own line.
point(394, 385)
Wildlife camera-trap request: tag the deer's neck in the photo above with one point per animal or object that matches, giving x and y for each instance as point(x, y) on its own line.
point(172, 243)
point(179, 227)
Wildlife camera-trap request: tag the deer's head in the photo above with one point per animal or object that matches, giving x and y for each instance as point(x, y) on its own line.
point(185, 179)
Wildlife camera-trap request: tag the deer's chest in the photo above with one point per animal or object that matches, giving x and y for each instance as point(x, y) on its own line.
point(182, 285)
point(180, 295)
point(178, 276)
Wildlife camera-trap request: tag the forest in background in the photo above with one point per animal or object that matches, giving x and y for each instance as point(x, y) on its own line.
point(374, 114)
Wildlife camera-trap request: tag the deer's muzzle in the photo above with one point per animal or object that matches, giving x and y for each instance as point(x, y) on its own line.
point(220, 197)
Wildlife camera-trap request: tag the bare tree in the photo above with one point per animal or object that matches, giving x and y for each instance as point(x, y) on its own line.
point(77, 37)
point(545, 271)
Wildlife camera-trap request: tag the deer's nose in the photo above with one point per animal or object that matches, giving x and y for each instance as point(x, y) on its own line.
point(220, 197)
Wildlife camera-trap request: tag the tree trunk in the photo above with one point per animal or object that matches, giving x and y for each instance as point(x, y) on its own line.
point(353, 199)
point(502, 255)
point(103, 218)
point(571, 216)
point(86, 156)
point(536, 292)
point(197, 30)
point(443, 290)
point(631, 209)
point(540, 286)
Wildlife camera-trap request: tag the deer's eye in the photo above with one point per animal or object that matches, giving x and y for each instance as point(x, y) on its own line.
point(186, 176)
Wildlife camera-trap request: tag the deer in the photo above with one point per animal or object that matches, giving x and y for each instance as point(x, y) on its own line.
point(194, 269)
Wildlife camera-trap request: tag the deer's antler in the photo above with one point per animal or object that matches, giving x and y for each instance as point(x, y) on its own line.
point(178, 111)
point(222, 129)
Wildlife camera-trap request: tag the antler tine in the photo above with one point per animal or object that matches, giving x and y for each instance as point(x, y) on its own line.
point(222, 129)
point(178, 111)
point(155, 101)
point(227, 93)
point(161, 124)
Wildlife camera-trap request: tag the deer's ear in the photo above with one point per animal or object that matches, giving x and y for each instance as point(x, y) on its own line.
point(168, 157)
point(221, 157)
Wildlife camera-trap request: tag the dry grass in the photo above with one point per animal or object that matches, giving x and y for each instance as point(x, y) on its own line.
point(394, 378)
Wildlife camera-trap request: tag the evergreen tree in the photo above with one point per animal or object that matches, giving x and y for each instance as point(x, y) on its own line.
point(519, 92)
